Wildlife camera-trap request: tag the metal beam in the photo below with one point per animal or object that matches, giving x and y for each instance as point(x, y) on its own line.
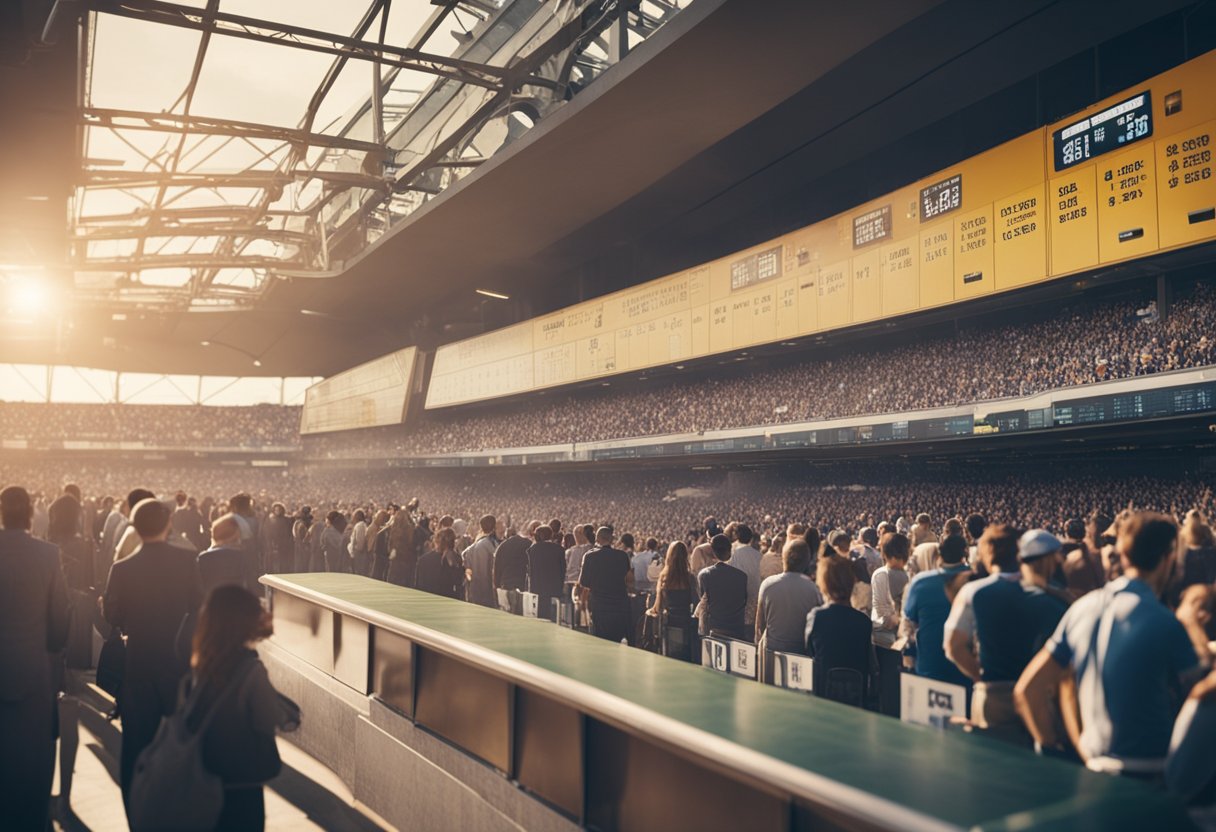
point(298, 37)
point(233, 179)
point(193, 230)
point(186, 261)
point(196, 125)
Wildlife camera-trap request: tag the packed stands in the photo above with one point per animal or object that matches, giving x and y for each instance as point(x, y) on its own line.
point(187, 426)
point(1082, 343)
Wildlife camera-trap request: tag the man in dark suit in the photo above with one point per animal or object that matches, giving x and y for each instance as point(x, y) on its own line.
point(33, 625)
point(147, 596)
point(546, 570)
point(511, 561)
point(604, 585)
point(724, 590)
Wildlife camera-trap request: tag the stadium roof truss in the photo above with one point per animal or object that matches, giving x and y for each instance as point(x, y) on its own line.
point(219, 151)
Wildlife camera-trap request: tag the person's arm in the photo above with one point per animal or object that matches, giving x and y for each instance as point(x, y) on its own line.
point(630, 578)
point(657, 607)
point(267, 710)
point(1033, 693)
point(760, 615)
point(1193, 614)
point(959, 637)
point(908, 621)
point(111, 602)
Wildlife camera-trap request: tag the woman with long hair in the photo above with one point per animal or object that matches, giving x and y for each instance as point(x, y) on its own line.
point(676, 594)
point(239, 745)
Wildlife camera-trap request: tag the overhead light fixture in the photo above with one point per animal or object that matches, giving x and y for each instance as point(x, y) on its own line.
point(204, 343)
point(257, 362)
point(489, 294)
point(315, 313)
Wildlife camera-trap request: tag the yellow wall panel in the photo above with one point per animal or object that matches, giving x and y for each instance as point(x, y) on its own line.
point(1020, 242)
point(973, 253)
point(1127, 204)
point(937, 264)
point(900, 266)
point(1186, 186)
point(835, 295)
point(1074, 221)
point(867, 288)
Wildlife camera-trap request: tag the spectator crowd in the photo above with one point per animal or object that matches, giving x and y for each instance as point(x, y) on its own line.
point(1083, 343)
point(1015, 588)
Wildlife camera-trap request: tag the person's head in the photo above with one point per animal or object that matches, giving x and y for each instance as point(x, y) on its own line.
point(241, 504)
point(952, 550)
point(975, 525)
point(151, 518)
point(588, 533)
point(412, 505)
point(232, 617)
point(488, 524)
point(1095, 528)
point(225, 531)
point(652, 544)
point(544, 534)
point(711, 527)
point(137, 496)
point(278, 510)
point(796, 556)
point(923, 519)
point(337, 520)
point(795, 530)
point(73, 490)
point(895, 549)
point(1146, 544)
point(604, 536)
point(358, 516)
point(16, 509)
point(1196, 533)
point(445, 539)
point(530, 529)
point(63, 519)
point(555, 526)
point(1039, 553)
point(1074, 529)
point(580, 536)
point(743, 534)
point(835, 578)
point(380, 519)
point(953, 526)
point(998, 548)
point(675, 567)
point(719, 544)
point(627, 542)
point(840, 542)
point(813, 541)
point(180, 498)
point(869, 536)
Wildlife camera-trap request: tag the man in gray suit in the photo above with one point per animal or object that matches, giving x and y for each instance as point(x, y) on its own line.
point(147, 596)
point(33, 625)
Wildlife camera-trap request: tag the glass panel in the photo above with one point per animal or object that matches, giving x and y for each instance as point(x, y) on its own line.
point(22, 383)
point(82, 385)
point(149, 388)
point(138, 65)
point(218, 390)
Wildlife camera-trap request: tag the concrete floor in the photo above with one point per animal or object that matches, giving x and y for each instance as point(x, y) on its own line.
point(305, 796)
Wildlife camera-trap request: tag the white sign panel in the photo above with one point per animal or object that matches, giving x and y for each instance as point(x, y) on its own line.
point(743, 659)
point(793, 672)
point(926, 701)
point(716, 654)
point(531, 604)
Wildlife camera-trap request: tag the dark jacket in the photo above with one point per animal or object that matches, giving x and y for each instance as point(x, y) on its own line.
point(511, 563)
point(546, 573)
point(724, 589)
point(33, 615)
point(239, 745)
point(225, 565)
point(147, 596)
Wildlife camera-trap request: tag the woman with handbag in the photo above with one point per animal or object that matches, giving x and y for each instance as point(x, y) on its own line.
point(239, 740)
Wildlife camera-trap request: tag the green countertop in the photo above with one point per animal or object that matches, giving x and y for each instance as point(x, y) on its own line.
point(964, 780)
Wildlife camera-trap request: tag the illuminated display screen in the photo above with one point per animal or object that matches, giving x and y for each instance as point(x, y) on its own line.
point(370, 395)
point(1116, 126)
point(941, 197)
point(872, 226)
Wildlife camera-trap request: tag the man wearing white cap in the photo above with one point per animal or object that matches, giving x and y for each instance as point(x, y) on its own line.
point(1039, 555)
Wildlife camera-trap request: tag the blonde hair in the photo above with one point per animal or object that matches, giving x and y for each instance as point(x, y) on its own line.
point(1196, 533)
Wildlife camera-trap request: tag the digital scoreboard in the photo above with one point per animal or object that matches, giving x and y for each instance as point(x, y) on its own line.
point(1129, 177)
point(1126, 122)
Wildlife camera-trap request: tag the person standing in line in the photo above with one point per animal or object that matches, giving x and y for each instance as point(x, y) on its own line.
point(278, 542)
point(746, 558)
point(225, 562)
point(784, 603)
point(605, 582)
point(574, 557)
point(239, 743)
point(34, 617)
point(926, 607)
point(511, 559)
point(333, 552)
point(357, 548)
point(147, 597)
point(723, 590)
point(129, 541)
point(546, 569)
point(299, 534)
point(702, 555)
point(479, 564)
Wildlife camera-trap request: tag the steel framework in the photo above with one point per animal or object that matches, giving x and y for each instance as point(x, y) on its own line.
point(315, 195)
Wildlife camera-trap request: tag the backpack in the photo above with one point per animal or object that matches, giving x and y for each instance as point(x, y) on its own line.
point(170, 788)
